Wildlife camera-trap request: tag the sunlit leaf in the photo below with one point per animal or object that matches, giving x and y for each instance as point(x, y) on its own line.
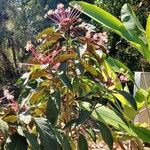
point(129, 98)
point(131, 22)
point(92, 134)
point(148, 32)
point(10, 118)
point(4, 128)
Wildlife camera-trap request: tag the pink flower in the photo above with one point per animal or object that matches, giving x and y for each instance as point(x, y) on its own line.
point(44, 59)
point(97, 38)
point(12, 103)
point(64, 17)
point(123, 79)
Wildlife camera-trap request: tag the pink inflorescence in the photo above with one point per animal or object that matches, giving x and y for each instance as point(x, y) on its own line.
point(10, 98)
point(64, 17)
point(44, 59)
point(97, 38)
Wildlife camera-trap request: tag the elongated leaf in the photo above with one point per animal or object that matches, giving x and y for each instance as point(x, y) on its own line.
point(106, 134)
point(82, 143)
point(32, 139)
point(92, 134)
point(102, 113)
point(141, 133)
point(17, 142)
point(129, 98)
point(53, 107)
point(4, 128)
point(131, 22)
point(47, 134)
point(148, 32)
point(65, 57)
point(36, 96)
point(116, 65)
point(90, 69)
point(65, 80)
point(47, 31)
point(64, 140)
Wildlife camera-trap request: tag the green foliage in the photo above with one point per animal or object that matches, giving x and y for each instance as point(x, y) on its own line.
point(72, 87)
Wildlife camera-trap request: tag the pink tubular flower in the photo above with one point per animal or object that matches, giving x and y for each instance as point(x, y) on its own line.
point(123, 78)
point(97, 38)
point(44, 59)
point(10, 98)
point(64, 17)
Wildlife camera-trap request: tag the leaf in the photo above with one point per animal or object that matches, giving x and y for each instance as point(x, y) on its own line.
point(53, 107)
point(17, 142)
point(92, 134)
point(140, 97)
point(131, 22)
point(148, 31)
point(106, 115)
point(64, 57)
point(36, 96)
point(116, 65)
point(82, 143)
point(32, 139)
point(106, 134)
point(90, 69)
point(47, 31)
point(40, 73)
point(83, 116)
point(64, 140)
point(10, 118)
point(4, 128)
point(141, 132)
point(65, 80)
point(47, 134)
point(129, 98)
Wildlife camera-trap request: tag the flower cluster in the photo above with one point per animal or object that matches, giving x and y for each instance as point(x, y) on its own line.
point(97, 38)
point(44, 59)
point(64, 17)
point(11, 102)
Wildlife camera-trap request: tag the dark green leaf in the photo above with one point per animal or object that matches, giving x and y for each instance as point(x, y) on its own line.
point(47, 134)
point(64, 140)
point(92, 134)
point(106, 134)
point(129, 98)
point(18, 142)
point(82, 143)
point(83, 115)
point(32, 140)
point(65, 80)
point(53, 107)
